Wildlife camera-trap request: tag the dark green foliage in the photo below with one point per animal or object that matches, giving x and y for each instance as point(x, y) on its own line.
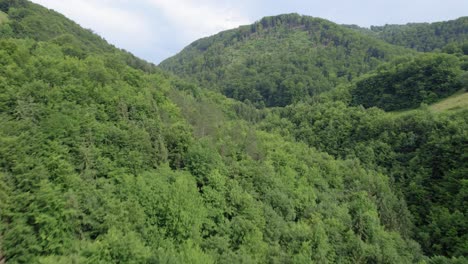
point(280, 60)
point(99, 165)
point(28, 20)
point(33, 21)
point(424, 153)
point(458, 49)
point(5, 5)
point(105, 159)
point(424, 36)
point(408, 83)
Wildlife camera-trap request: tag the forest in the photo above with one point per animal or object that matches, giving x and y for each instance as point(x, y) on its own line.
point(291, 140)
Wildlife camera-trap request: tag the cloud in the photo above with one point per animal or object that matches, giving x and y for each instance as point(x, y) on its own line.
point(195, 19)
point(155, 29)
point(109, 19)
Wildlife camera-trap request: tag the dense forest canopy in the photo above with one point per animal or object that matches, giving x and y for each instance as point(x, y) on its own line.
point(105, 158)
point(280, 60)
point(423, 152)
point(406, 83)
point(28, 20)
point(424, 36)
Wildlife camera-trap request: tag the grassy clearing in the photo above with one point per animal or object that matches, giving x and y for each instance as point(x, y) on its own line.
point(457, 101)
point(454, 102)
point(3, 17)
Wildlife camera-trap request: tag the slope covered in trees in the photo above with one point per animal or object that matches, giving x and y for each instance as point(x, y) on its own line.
point(28, 20)
point(406, 83)
point(106, 159)
point(281, 59)
point(104, 163)
point(424, 36)
point(422, 152)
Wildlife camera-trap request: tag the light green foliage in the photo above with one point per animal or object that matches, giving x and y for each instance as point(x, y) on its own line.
point(416, 149)
point(105, 159)
point(3, 17)
point(101, 167)
point(458, 101)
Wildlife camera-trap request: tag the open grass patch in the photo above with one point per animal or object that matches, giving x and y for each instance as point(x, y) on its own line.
point(3, 17)
point(454, 102)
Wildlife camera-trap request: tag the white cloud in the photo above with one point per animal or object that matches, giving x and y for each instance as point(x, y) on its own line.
point(200, 18)
point(154, 29)
point(117, 25)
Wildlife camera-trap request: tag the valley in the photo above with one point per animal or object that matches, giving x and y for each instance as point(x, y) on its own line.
point(290, 140)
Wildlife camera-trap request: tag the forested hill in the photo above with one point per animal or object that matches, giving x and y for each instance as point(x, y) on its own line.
point(29, 20)
point(282, 59)
point(102, 162)
point(105, 158)
point(425, 36)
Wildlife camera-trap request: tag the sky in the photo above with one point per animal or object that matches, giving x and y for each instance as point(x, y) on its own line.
point(157, 29)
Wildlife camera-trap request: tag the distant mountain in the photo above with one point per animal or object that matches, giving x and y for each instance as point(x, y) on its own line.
point(281, 59)
point(424, 36)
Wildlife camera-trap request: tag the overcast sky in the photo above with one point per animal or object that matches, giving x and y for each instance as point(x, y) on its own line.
point(157, 29)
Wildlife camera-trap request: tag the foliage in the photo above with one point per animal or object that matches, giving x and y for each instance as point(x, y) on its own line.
point(100, 165)
point(422, 151)
point(106, 159)
point(3, 17)
point(280, 60)
point(421, 36)
point(29, 20)
point(408, 83)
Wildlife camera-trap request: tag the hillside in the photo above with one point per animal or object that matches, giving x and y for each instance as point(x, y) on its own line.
point(424, 36)
point(105, 163)
point(422, 151)
point(281, 59)
point(415, 150)
point(3, 17)
point(29, 20)
point(105, 158)
point(456, 102)
point(407, 83)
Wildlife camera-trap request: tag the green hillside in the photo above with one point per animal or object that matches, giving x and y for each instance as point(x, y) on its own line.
point(424, 36)
point(105, 158)
point(105, 163)
point(29, 20)
point(415, 150)
point(281, 59)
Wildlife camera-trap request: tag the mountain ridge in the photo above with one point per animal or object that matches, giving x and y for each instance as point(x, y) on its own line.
point(314, 54)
